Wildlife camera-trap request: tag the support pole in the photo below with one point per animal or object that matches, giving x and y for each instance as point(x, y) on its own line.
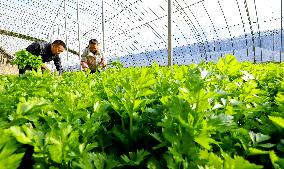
point(66, 36)
point(53, 22)
point(103, 26)
point(78, 11)
point(251, 30)
point(281, 36)
point(170, 51)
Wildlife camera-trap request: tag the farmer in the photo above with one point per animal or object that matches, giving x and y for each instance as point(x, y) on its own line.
point(48, 52)
point(93, 57)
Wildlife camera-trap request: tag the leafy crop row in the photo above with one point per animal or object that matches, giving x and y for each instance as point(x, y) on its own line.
point(227, 115)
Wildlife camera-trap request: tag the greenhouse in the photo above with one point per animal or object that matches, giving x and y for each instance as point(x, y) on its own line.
point(178, 84)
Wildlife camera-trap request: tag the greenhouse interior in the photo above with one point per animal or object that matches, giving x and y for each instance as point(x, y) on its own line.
point(134, 84)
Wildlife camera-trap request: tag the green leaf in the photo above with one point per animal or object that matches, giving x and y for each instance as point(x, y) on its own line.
point(137, 104)
point(21, 136)
point(275, 160)
point(213, 159)
point(266, 145)
point(25, 58)
point(26, 106)
point(144, 93)
point(254, 151)
point(55, 152)
point(229, 65)
point(217, 106)
point(204, 141)
point(238, 163)
point(10, 154)
point(11, 162)
point(135, 158)
point(258, 137)
point(153, 164)
point(96, 106)
point(279, 121)
point(91, 146)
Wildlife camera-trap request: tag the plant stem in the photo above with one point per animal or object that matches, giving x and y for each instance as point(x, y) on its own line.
point(131, 124)
point(122, 123)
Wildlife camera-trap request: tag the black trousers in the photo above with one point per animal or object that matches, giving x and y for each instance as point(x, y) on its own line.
point(22, 71)
point(94, 71)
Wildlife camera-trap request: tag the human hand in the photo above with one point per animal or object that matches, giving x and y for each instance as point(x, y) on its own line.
point(84, 65)
point(103, 63)
point(43, 67)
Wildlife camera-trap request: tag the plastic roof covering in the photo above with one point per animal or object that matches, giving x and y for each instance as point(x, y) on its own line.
point(136, 30)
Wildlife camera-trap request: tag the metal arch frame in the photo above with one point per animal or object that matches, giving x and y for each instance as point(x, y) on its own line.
point(215, 30)
point(124, 8)
point(156, 19)
point(281, 43)
point(78, 24)
point(227, 25)
point(258, 27)
point(147, 24)
point(170, 22)
point(26, 20)
point(187, 24)
point(65, 25)
point(66, 36)
point(52, 25)
point(244, 29)
point(103, 27)
point(169, 15)
point(251, 30)
point(198, 23)
point(170, 48)
point(195, 29)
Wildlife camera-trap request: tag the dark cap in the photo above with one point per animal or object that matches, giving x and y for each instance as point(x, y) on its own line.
point(93, 41)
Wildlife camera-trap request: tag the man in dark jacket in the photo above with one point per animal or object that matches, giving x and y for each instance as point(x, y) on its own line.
point(48, 52)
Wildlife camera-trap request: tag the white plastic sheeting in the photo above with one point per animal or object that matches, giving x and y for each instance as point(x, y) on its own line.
point(136, 30)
